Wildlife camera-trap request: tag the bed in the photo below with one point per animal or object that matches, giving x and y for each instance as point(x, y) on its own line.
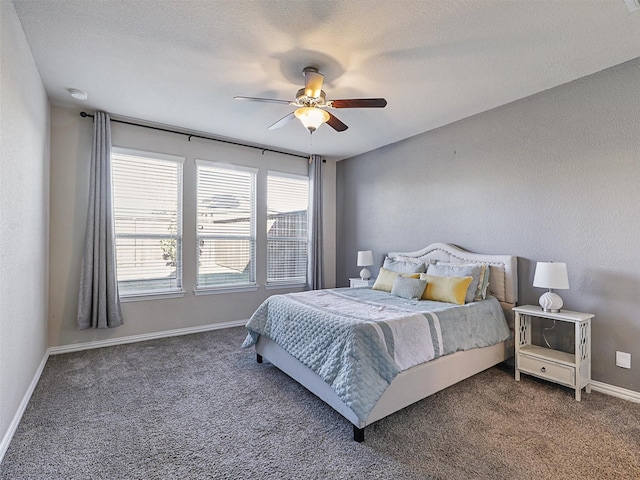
point(351, 361)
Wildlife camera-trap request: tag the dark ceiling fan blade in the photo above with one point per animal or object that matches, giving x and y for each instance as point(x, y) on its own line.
point(265, 100)
point(283, 121)
point(312, 82)
point(336, 124)
point(359, 103)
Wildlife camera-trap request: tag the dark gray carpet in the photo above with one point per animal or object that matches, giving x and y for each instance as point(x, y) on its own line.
point(199, 407)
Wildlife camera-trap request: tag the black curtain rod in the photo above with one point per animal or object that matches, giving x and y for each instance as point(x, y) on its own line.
point(191, 135)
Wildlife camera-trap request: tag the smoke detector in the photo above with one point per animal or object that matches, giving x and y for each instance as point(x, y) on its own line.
point(78, 94)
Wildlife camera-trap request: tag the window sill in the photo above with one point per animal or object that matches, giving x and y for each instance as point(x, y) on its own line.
point(220, 290)
point(283, 286)
point(141, 297)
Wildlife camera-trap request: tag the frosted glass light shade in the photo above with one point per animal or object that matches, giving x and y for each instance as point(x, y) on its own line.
point(365, 259)
point(551, 275)
point(311, 117)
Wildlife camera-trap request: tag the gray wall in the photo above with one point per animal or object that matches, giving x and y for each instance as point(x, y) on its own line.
point(552, 177)
point(71, 137)
point(24, 217)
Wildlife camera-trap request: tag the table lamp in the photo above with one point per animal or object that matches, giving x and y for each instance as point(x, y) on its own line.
point(551, 275)
point(365, 259)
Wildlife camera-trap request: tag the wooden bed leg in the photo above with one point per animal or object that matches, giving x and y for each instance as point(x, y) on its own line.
point(358, 434)
point(258, 358)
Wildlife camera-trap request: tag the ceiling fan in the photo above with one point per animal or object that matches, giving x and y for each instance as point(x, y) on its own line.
point(312, 102)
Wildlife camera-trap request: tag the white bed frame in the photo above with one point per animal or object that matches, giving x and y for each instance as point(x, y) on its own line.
point(425, 379)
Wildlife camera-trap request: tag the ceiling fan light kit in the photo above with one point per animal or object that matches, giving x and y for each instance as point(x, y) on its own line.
point(311, 102)
point(311, 117)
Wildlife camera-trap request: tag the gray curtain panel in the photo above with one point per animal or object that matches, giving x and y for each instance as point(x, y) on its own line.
point(315, 273)
point(99, 302)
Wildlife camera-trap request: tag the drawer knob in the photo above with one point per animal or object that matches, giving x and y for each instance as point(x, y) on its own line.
point(543, 369)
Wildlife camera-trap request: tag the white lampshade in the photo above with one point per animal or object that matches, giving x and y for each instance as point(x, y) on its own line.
point(311, 117)
point(551, 275)
point(365, 259)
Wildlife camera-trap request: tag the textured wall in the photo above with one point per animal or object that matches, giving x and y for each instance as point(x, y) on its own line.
point(71, 138)
point(24, 216)
point(552, 177)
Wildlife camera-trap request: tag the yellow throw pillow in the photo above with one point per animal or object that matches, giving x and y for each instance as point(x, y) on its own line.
point(410, 275)
point(445, 289)
point(386, 277)
point(385, 280)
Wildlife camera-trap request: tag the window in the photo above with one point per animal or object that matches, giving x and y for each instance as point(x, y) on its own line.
point(226, 225)
point(147, 203)
point(287, 203)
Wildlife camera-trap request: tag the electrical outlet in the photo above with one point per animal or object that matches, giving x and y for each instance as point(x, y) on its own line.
point(623, 359)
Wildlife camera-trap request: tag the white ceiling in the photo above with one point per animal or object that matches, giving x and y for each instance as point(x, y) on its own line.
point(180, 63)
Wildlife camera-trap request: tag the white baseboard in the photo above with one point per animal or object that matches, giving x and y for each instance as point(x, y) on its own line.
point(616, 391)
point(77, 347)
point(6, 440)
point(13, 426)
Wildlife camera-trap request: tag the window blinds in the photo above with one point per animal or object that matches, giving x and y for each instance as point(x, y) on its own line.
point(287, 203)
point(147, 199)
point(226, 237)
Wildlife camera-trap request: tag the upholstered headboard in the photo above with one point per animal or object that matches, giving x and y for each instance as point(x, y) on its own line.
point(503, 276)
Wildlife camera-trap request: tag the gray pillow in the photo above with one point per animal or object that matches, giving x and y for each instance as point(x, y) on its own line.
point(411, 288)
point(459, 270)
point(403, 267)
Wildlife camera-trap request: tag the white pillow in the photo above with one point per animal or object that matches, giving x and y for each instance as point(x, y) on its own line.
point(401, 266)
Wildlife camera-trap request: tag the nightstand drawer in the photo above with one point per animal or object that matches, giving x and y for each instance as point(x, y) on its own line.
point(549, 370)
point(358, 282)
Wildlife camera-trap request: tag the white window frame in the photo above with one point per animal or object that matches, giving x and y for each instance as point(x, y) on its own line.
point(232, 287)
point(176, 291)
point(287, 282)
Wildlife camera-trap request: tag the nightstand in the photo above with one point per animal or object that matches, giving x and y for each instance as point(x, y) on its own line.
point(569, 369)
point(358, 282)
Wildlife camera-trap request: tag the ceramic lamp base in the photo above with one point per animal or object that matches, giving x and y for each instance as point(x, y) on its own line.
point(365, 274)
point(551, 302)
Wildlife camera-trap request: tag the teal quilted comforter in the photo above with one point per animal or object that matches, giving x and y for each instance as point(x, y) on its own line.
point(359, 339)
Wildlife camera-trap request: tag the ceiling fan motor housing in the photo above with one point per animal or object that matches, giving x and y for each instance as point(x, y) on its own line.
point(305, 101)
